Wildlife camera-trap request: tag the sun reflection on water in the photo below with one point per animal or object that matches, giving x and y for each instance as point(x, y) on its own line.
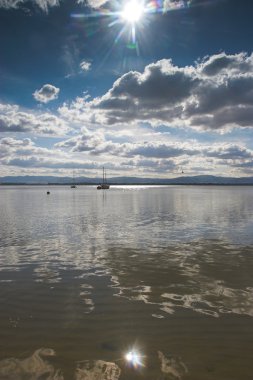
point(134, 359)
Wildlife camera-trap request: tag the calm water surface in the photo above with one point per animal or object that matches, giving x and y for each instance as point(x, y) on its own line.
point(87, 276)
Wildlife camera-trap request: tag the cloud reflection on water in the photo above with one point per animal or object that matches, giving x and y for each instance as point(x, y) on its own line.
point(86, 269)
point(202, 276)
point(38, 367)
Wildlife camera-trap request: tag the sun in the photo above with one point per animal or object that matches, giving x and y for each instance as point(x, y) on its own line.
point(132, 11)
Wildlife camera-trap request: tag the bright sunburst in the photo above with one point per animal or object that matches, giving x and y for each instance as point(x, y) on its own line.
point(133, 11)
point(135, 359)
point(133, 16)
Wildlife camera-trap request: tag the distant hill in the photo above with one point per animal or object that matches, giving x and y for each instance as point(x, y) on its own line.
point(184, 180)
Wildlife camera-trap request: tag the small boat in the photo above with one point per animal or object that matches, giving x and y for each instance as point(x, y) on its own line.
point(73, 186)
point(48, 192)
point(104, 185)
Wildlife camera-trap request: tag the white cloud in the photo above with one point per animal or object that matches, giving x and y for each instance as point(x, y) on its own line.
point(43, 4)
point(223, 63)
point(171, 5)
point(46, 4)
point(229, 151)
point(98, 142)
point(216, 93)
point(23, 153)
point(85, 65)
point(94, 3)
point(10, 3)
point(168, 5)
point(13, 119)
point(46, 94)
point(80, 112)
point(90, 151)
point(118, 129)
point(11, 142)
point(88, 141)
point(8, 145)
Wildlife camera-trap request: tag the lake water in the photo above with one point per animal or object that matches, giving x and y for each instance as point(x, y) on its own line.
point(87, 276)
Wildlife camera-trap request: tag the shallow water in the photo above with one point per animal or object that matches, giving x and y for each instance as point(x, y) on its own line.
point(86, 276)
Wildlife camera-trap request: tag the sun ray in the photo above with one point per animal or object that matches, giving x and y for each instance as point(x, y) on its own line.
point(134, 15)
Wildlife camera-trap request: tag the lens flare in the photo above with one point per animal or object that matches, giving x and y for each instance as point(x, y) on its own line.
point(128, 21)
point(134, 359)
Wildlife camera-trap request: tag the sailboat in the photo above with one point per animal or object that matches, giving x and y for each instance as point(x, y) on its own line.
point(104, 185)
point(73, 186)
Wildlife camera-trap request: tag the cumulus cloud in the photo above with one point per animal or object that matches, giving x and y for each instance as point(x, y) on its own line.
point(155, 94)
point(11, 142)
point(88, 141)
point(13, 119)
point(85, 65)
point(244, 164)
point(47, 93)
point(168, 5)
point(215, 93)
point(151, 166)
point(53, 163)
point(222, 63)
point(99, 142)
point(231, 115)
point(10, 146)
point(161, 150)
point(145, 158)
point(80, 112)
point(43, 4)
point(46, 4)
point(229, 152)
point(171, 5)
point(161, 83)
point(94, 3)
point(23, 153)
point(96, 143)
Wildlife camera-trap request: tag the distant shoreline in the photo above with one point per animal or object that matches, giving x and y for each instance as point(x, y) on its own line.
point(128, 184)
point(197, 180)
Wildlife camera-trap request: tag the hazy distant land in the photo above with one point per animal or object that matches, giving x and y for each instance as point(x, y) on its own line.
point(183, 180)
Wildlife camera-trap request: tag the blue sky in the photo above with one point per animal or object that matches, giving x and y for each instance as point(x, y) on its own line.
point(83, 86)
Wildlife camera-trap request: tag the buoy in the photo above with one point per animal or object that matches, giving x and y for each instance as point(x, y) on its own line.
point(48, 192)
